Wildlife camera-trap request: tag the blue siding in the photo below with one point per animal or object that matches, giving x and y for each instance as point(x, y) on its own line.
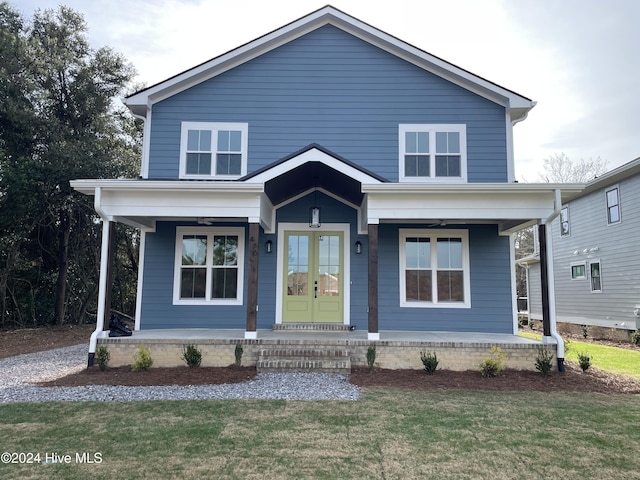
point(333, 89)
point(158, 310)
point(489, 264)
point(490, 310)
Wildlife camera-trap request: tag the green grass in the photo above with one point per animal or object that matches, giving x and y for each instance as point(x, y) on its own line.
point(611, 359)
point(389, 433)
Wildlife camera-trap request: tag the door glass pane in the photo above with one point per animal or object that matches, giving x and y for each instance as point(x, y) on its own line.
point(329, 265)
point(298, 265)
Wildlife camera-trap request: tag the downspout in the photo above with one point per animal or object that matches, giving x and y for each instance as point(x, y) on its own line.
point(551, 285)
point(104, 255)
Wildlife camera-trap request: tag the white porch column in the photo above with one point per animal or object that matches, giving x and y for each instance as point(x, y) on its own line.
point(107, 226)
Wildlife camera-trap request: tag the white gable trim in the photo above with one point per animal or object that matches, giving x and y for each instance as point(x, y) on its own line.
point(312, 155)
point(139, 102)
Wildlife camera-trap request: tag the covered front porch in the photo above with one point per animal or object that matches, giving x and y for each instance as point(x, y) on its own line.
point(368, 215)
point(395, 349)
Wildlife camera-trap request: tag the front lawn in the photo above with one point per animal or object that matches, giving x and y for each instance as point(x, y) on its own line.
point(389, 433)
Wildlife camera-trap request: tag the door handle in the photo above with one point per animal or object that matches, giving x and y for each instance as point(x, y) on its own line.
point(315, 289)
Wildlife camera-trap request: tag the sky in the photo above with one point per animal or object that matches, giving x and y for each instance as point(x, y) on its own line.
point(578, 59)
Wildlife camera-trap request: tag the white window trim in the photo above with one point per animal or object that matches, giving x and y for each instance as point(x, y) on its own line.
point(432, 129)
point(589, 273)
point(433, 235)
point(576, 264)
point(214, 127)
point(209, 232)
point(606, 203)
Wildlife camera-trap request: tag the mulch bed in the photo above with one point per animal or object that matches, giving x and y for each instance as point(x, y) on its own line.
point(572, 380)
point(155, 376)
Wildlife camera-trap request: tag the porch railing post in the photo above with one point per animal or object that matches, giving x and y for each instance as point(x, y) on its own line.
point(373, 334)
point(252, 284)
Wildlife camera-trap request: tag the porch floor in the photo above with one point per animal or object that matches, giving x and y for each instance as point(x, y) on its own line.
point(332, 336)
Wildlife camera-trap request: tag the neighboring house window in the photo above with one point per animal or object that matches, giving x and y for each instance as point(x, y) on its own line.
point(209, 265)
point(433, 153)
point(434, 268)
point(213, 150)
point(564, 222)
point(578, 271)
point(613, 206)
point(596, 277)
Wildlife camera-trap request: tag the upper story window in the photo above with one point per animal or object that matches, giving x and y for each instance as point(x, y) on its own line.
point(433, 153)
point(613, 205)
point(565, 228)
point(213, 150)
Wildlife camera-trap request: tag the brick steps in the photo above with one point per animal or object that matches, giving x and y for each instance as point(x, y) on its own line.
point(304, 359)
point(315, 327)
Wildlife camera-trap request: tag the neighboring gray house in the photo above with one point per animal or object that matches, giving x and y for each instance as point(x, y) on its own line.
point(596, 254)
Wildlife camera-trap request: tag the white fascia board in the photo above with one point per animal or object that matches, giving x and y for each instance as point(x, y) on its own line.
point(88, 186)
point(460, 202)
point(139, 102)
point(149, 200)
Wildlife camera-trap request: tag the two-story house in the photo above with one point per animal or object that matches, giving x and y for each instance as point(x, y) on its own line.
point(326, 172)
point(595, 255)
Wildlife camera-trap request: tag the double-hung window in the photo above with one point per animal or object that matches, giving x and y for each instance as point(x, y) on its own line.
point(213, 150)
point(433, 153)
point(209, 265)
point(613, 205)
point(434, 268)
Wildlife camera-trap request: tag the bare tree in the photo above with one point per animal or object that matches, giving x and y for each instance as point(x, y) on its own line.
point(558, 168)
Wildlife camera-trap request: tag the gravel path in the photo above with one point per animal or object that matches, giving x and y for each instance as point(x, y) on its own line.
point(17, 374)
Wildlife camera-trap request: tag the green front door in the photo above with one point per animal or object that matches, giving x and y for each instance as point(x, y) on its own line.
point(314, 281)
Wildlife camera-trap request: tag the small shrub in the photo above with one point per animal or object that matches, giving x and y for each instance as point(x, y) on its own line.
point(495, 364)
point(238, 354)
point(371, 357)
point(531, 323)
point(567, 346)
point(103, 356)
point(584, 360)
point(635, 338)
point(191, 355)
point(430, 362)
point(585, 331)
point(142, 359)
point(544, 361)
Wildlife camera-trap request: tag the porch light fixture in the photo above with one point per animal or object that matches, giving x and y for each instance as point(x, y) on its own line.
point(314, 217)
point(267, 246)
point(358, 247)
